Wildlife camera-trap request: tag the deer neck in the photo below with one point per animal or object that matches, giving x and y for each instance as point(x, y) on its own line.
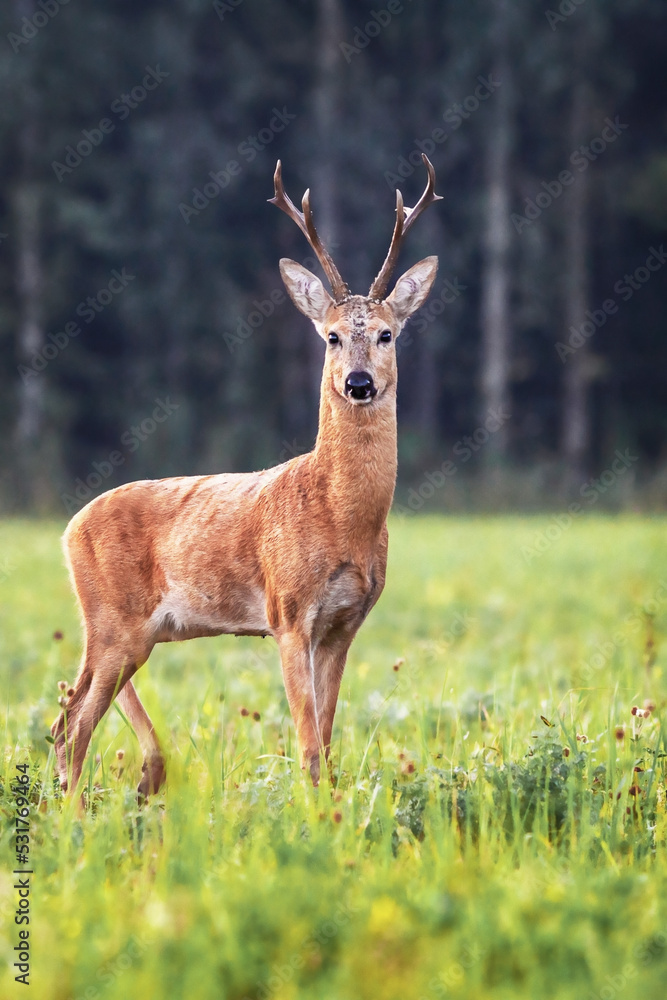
point(355, 459)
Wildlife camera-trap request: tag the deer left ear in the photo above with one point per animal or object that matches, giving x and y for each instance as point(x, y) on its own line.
point(412, 288)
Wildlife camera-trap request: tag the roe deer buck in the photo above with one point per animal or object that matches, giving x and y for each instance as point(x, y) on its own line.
point(297, 552)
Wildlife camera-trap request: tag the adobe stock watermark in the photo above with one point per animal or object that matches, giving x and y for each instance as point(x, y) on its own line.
point(94, 137)
point(411, 678)
point(435, 649)
point(115, 968)
point(31, 26)
point(643, 954)
point(631, 625)
point(87, 309)
point(131, 440)
point(566, 9)
point(309, 951)
point(291, 449)
point(453, 976)
point(377, 22)
point(246, 326)
point(454, 116)
point(464, 449)
point(222, 7)
point(449, 292)
point(625, 288)
point(581, 159)
point(590, 491)
point(7, 567)
point(247, 150)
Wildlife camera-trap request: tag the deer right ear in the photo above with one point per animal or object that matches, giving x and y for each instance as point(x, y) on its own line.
point(305, 290)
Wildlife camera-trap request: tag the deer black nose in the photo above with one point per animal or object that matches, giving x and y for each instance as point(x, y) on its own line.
point(359, 385)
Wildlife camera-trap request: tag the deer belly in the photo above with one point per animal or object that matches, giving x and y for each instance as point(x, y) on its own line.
point(187, 613)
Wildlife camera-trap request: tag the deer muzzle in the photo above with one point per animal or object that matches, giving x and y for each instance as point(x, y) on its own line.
point(359, 385)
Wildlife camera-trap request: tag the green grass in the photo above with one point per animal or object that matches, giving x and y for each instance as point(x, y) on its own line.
point(474, 845)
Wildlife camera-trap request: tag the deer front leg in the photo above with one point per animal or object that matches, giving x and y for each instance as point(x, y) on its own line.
point(330, 664)
point(297, 665)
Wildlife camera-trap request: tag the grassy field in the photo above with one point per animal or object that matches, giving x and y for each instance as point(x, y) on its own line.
point(497, 827)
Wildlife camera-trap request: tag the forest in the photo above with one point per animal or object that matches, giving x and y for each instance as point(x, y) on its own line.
point(144, 328)
point(491, 816)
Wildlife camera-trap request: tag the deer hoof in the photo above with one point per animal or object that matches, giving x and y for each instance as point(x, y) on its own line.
point(153, 777)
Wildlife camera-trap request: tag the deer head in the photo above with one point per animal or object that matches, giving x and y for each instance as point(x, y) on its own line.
point(360, 331)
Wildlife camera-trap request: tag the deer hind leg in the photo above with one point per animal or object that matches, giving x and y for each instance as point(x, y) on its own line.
point(297, 666)
point(103, 673)
point(153, 769)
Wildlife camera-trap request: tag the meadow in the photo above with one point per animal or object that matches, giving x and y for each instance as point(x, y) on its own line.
point(495, 824)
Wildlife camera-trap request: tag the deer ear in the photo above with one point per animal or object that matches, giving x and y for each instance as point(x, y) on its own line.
point(305, 290)
point(412, 288)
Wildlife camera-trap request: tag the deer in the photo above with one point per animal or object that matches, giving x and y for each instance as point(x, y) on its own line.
point(297, 552)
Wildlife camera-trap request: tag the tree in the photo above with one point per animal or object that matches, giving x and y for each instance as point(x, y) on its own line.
point(576, 429)
point(30, 335)
point(496, 275)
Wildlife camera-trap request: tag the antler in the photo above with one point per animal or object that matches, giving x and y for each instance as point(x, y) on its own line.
point(305, 223)
point(405, 218)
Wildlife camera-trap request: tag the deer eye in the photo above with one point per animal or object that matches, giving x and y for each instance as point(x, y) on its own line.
point(334, 338)
point(385, 336)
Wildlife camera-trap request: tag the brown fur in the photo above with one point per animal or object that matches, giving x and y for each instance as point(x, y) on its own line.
point(298, 551)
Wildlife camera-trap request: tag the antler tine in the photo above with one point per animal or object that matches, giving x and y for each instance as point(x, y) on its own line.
point(379, 286)
point(427, 198)
point(405, 218)
point(338, 286)
point(282, 200)
point(304, 221)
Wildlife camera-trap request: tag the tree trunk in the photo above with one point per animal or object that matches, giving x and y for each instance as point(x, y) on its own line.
point(30, 332)
point(576, 417)
point(428, 349)
point(326, 177)
point(495, 303)
point(31, 481)
point(327, 117)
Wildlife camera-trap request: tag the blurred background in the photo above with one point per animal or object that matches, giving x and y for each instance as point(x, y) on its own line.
point(144, 331)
